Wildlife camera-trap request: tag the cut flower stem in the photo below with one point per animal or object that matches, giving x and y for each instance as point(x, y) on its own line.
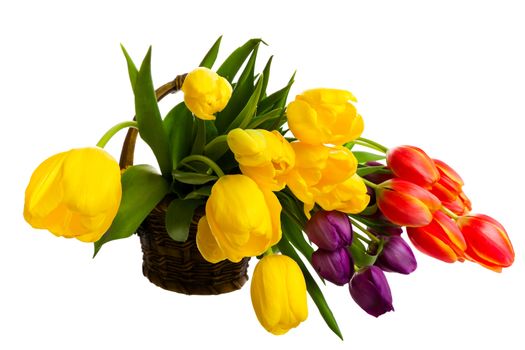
point(111, 132)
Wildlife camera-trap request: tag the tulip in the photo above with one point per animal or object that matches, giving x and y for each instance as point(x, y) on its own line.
point(441, 239)
point(349, 197)
point(243, 218)
point(324, 116)
point(207, 244)
point(335, 266)
point(386, 230)
point(206, 93)
point(266, 157)
point(318, 170)
point(487, 241)
point(396, 256)
point(329, 230)
point(461, 205)
point(370, 290)
point(450, 183)
point(376, 178)
point(406, 204)
point(412, 164)
point(278, 293)
point(74, 194)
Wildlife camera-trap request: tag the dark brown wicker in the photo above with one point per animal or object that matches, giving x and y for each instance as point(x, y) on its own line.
point(175, 266)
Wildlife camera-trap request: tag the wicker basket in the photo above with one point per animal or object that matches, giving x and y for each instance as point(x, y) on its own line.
point(175, 266)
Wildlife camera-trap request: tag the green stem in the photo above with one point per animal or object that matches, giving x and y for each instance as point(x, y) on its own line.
point(370, 184)
point(268, 251)
point(362, 143)
point(111, 132)
point(364, 230)
point(378, 145)
point(363, 238)
point(449, 213)
point(198, 158)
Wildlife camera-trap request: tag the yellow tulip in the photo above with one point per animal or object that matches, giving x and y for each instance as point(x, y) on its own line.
point(207, 244)
point(74, 194)
point(278, 292)
point(348, 197)
point(206, 93)
point(318, 170)
point(244, 220)
point(324, 116)
point(266, 157)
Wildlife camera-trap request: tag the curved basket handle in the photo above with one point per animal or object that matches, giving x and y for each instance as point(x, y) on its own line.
point(128, 148)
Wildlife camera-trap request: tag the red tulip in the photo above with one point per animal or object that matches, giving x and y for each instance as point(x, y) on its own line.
point(461, 205)
point(406, 204)
point(487, 241)
point(450, 183)
point(412, 164)
point(441, 239)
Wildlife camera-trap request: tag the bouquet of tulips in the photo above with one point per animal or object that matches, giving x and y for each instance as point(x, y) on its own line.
point(285, 182)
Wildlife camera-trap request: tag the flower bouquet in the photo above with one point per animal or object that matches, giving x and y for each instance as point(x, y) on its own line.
point(244, 173)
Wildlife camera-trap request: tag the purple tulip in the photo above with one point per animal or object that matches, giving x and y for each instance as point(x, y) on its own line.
point(377, 178)
point(329, 230)
point(396, 256)
point(335, 266)
point(386, 230)
point(369, 289)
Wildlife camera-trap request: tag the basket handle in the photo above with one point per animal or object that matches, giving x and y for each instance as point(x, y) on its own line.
point(128, 148)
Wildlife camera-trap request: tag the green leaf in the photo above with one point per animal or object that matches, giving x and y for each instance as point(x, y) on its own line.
point(142, 189)
point(151, 128)
point(179, 125)
point(242, 91)
point(132, 69)
point(380, 169)
point(313, 289)
point(247, 113)
point(293, 233)
point(192, 178)
point(200, 137)
point(248, 74)
point(363, 157)
point(178, 218)
point(261, 119)
point(211, 56)
point(277, 99)
point(266, 74)
point(364, 256)
point(233, 63)
point(216, 148)
point(201, 192)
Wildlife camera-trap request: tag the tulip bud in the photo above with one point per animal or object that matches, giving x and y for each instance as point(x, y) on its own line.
point(278, 293)
point(406, 204)
point(74, 194)
point(441, 239)
point(329, 230)
point(396, 256)
point(461, 205)
point(378, 177)
point(487, 241)
point(206, 93)
point(370, 290)
point(386, 230)
point(412, 164)
point(324, 116)
point(335, 266)
point(244, 220)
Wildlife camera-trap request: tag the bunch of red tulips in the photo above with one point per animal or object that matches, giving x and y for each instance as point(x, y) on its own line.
point(426, 195)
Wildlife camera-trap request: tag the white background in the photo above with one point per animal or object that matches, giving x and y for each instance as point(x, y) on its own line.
point(447, 76)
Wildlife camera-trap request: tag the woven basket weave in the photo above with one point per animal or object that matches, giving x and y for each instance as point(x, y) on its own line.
point(175, 266)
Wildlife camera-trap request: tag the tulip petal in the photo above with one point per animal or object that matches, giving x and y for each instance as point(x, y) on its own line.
point(207, 244)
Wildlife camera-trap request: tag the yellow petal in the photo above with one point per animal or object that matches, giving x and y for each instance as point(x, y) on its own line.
point(206, 243)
